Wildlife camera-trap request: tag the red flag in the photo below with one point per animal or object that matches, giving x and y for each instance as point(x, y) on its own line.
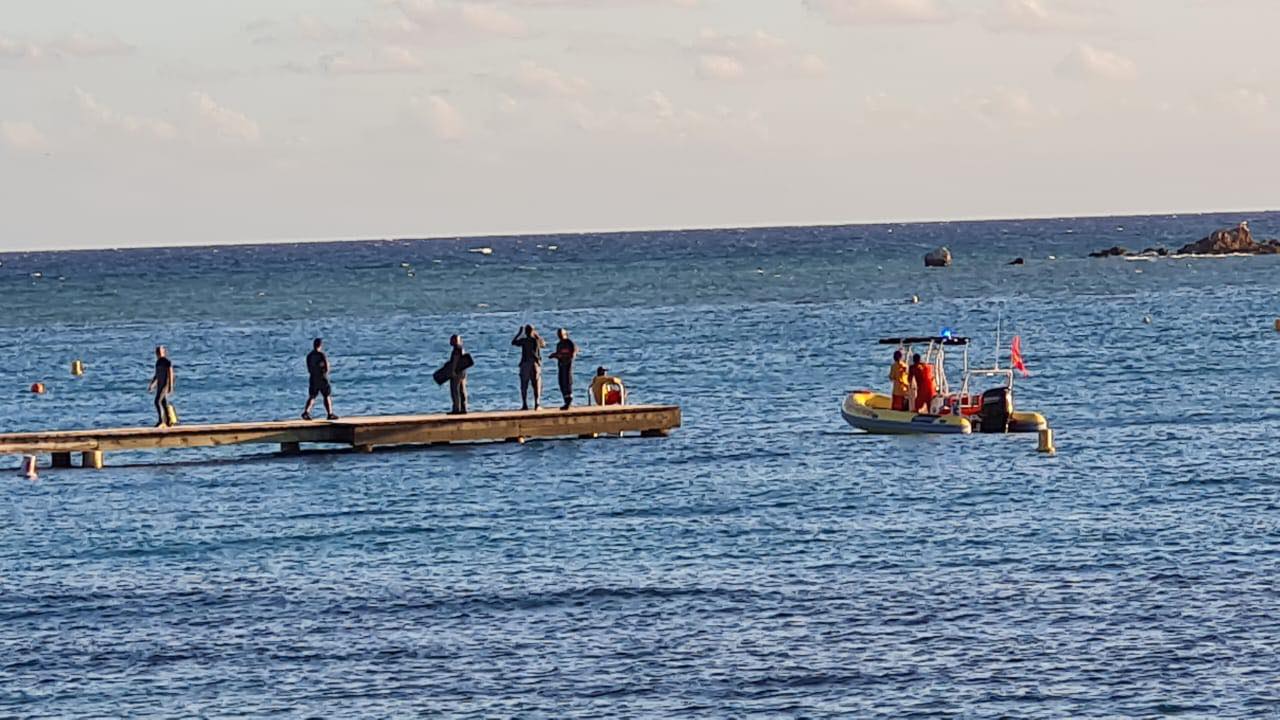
point(1015, 356)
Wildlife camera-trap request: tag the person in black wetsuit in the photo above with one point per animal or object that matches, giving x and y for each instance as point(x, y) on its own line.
point(318, 372)
point(162, 384)
point(530, 344)
point(565, 352)
point(458, 364)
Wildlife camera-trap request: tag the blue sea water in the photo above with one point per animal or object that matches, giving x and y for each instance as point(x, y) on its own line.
point(765, 560)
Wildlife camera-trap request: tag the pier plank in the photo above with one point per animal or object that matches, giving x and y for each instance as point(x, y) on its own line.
point(359, 432)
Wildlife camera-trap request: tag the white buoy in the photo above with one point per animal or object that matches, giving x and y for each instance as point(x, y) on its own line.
point(915, 299)
point(29, 470)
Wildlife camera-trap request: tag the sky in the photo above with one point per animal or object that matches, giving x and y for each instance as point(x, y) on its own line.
point(154, 122)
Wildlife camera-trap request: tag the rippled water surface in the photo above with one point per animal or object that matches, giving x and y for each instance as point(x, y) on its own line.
point(765, 559)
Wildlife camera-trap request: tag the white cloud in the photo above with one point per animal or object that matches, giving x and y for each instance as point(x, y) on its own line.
point(1031, 16)
point(23, 137)
point(1089, 61)
point(1011, 106)
point(230, 125)
point(720, 67)
point(388, 59)
point(446, 121)
point(724, 56)
point(74, 45)
point(871, 12)
point(540, 80)
point(435, 16)
point(103, 116)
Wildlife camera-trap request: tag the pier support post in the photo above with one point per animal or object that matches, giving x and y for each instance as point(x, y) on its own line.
point(364, 448)
point(61, 460)
point(290, 448)
point(654, 433)
point(91, 459)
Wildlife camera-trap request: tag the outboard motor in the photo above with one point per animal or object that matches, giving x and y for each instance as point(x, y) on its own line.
point(997, 410)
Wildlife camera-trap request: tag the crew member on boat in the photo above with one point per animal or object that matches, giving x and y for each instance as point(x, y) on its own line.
point(926, 389)
point(900, 376)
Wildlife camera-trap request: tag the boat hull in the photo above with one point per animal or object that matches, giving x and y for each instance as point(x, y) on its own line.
point(871, 413)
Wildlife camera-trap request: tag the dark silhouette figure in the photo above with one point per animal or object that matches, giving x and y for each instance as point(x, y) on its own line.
point(531, 345)
point(318, 372)
point(565, 352)
point(162, 384)
point(459, 362)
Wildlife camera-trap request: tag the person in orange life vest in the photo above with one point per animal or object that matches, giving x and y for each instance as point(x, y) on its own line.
point(922, 376)
point(901, 379)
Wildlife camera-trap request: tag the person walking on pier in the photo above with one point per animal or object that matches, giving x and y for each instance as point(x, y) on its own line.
point(318, 373)
point(565, 352)
point(162, 384)
point(531, 345)
point(459, 362)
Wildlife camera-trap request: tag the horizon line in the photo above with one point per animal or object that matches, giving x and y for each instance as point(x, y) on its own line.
point(408, 237)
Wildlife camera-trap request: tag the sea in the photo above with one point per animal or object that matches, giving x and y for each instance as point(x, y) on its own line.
point(765, 560)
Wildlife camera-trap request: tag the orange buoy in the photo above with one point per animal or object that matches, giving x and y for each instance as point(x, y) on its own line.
point(37, 388)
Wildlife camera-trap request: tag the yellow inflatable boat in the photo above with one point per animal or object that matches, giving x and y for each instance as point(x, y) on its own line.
point(950, 413)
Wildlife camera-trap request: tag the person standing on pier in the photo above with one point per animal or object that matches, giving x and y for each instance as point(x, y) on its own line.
point(531, 345)
point(318, 373)
point(459, 362)
point(565, 352)
point(162, 384)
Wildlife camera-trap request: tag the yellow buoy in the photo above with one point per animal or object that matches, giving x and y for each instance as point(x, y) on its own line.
point(77, 368)
point(1046, 442)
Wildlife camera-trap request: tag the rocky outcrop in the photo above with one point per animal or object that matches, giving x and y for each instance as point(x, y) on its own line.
point(1238, 240)
point(938, 258)
point(1115, 251)
point(1017, 261)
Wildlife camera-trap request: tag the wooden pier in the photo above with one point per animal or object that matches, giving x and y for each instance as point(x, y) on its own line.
point(362, 433)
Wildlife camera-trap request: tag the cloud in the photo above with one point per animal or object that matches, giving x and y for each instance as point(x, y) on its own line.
point(876, 12)
point(417, 17)
point(228, 124)
point(23, 137)
point(446, 121)
point(1092, 62)
point(723, 56)
point(539, 80)
point(102, 116)
point(1030, 16)
point(75, 45)
point(720, 67)
point(1010, 106)
point(389, 59)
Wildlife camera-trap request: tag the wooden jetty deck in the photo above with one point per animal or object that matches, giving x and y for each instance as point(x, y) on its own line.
point(363, 433)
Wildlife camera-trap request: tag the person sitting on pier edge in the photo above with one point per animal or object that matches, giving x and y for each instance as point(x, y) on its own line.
point(459, 362)
point(926, 389)
point(900, 376)
point(601, 394)
point(565, 352)
point(530, 344)
point(318, 384)
point(162, 383)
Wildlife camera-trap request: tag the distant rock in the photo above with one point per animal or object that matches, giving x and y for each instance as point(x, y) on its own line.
point(1018, 261)
point(1157, 251)
point(1228, 242)
point(1115, 251)
point(938, 258)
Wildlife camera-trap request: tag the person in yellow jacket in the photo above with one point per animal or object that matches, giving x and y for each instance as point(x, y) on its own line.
point(900, 376)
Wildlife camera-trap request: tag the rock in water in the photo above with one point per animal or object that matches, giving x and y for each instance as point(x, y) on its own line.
point(1227, 242)
point(938, 258)
point(1115, 251)
point(1018, 261)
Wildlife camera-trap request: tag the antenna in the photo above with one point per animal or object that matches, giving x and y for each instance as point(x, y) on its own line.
point(999, 321)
